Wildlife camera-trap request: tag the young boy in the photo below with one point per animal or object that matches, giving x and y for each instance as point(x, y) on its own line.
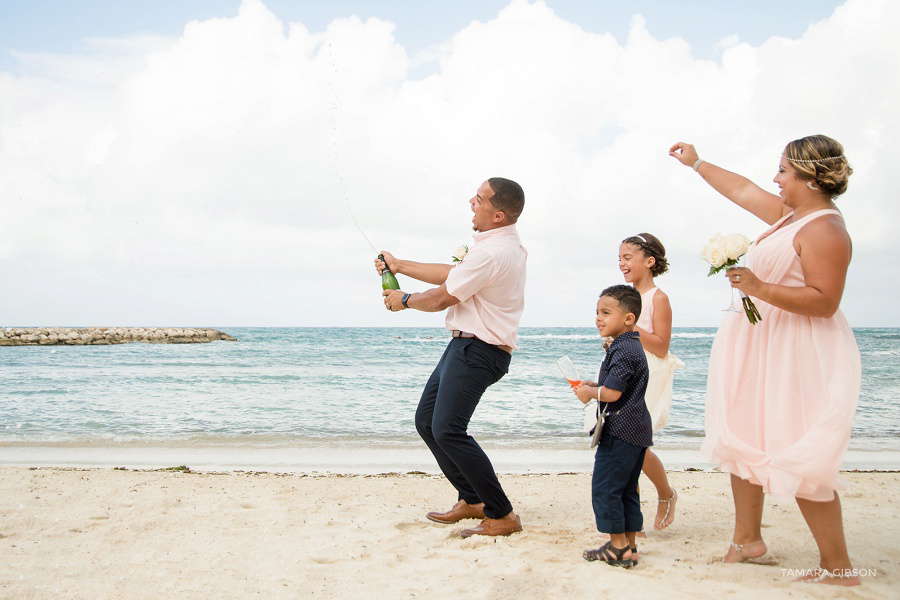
point(627, 432)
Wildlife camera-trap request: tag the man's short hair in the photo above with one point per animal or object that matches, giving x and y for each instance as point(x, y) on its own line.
point(509, 198)
point(628, 298)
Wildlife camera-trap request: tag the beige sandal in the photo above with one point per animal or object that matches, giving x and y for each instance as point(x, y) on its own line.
point(661, 523)
point(825, 576)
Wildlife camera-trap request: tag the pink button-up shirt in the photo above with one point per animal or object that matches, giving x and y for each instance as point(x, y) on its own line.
point(490, 286)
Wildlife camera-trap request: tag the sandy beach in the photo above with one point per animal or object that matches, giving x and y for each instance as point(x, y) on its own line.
point(108, 533)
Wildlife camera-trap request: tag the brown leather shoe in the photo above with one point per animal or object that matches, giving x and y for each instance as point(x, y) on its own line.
point(460, 511)
point(511, 523)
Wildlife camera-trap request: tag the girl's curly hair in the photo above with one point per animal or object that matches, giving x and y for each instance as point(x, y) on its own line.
point(651, 246)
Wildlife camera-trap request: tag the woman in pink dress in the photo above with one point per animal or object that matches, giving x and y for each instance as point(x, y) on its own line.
point(781, 394)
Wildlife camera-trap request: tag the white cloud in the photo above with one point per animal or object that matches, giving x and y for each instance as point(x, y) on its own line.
point(232, 154)
point(729, 41)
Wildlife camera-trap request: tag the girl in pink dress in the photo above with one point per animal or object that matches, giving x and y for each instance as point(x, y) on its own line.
point(781, 394)
point(642, 257)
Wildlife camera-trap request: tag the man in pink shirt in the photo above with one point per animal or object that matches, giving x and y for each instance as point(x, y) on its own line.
point(484, 295)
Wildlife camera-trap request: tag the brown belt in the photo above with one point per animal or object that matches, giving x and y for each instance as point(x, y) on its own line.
point(464, 334)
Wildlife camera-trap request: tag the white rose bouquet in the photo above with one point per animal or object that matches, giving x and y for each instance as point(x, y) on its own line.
point(460, 253)
point(723, 251)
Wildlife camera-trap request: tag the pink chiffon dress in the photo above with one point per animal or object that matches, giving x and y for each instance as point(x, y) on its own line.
point(781, 394)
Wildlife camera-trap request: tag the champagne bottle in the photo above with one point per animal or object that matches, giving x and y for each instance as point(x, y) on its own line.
point(388, 281)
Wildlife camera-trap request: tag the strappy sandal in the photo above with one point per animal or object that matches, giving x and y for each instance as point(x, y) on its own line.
point(634, 556)
point(823, 576)
point(610, 555)
point(661, 524)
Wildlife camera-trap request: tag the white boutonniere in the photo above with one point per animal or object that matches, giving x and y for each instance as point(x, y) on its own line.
point(460, 253)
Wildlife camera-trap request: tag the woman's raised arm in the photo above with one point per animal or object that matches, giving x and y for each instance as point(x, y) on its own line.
point(736, 188)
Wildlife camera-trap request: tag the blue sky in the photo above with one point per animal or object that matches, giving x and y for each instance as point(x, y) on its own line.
point(201, 163)
point(63, 25)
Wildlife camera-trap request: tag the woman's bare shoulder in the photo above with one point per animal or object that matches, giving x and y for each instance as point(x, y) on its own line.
point(832, 226)
point(827, 233)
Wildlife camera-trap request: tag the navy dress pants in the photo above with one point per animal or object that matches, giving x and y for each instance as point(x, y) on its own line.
point(614, 495)
point(448, 401)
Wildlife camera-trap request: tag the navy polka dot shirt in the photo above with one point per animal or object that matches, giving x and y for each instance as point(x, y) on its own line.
point(625, 370)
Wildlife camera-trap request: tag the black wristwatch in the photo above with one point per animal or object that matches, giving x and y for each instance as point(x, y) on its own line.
point(403, 300)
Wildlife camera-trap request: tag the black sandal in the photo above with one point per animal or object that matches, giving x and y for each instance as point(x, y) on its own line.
point(610, 555)
point(634, 556)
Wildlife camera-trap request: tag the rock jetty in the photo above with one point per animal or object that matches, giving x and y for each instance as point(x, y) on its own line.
point(103, 336)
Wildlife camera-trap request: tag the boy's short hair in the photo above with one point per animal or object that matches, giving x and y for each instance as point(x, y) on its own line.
point(628, 298)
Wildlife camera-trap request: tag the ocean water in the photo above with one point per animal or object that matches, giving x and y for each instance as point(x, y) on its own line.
point(344, 399)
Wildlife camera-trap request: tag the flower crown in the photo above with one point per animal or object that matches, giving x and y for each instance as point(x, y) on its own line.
point(801, 160)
